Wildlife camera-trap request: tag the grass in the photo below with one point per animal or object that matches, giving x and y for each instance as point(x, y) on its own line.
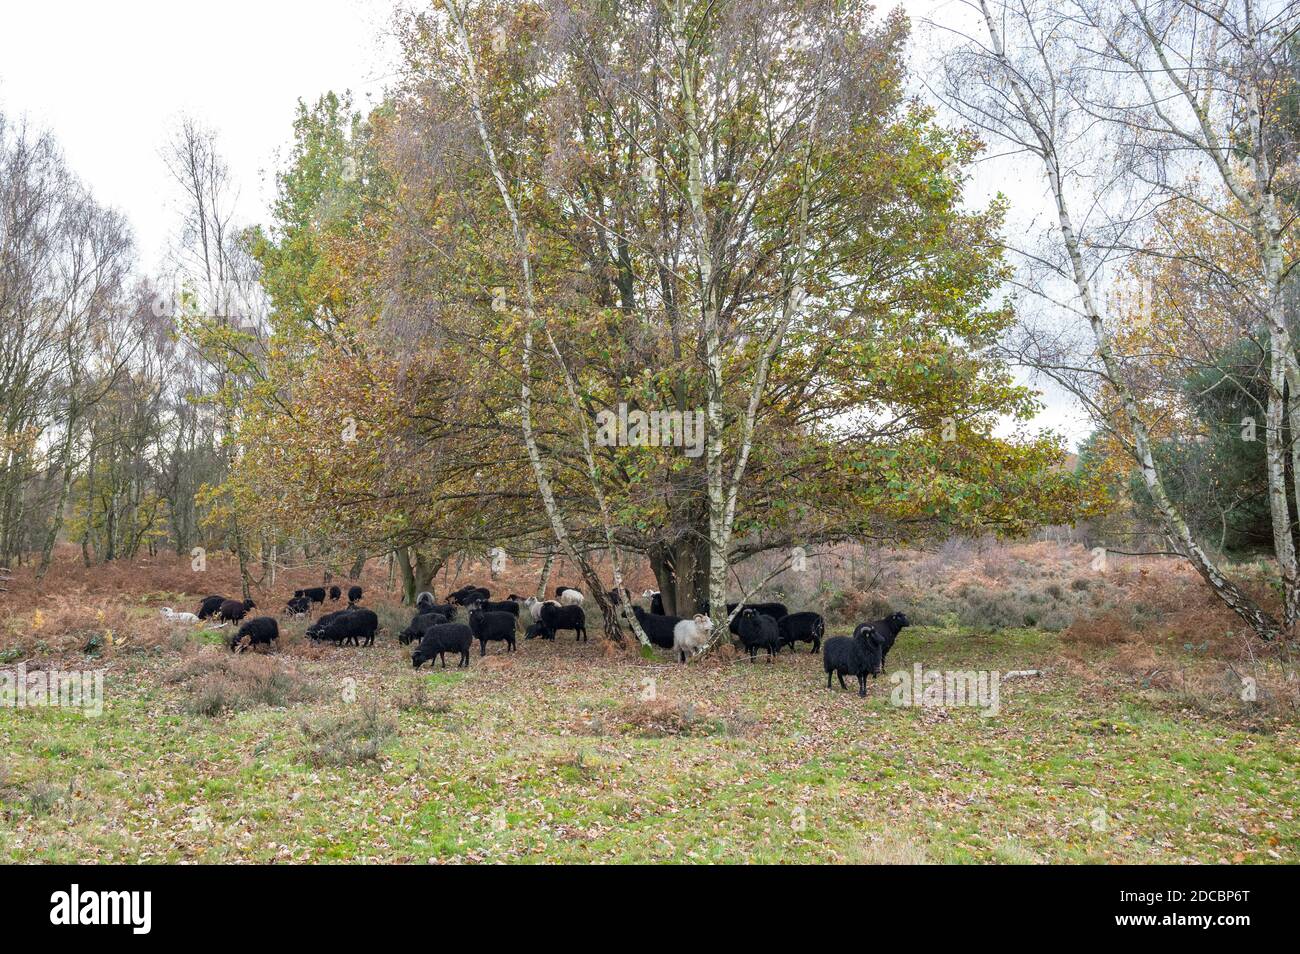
point(560, 752)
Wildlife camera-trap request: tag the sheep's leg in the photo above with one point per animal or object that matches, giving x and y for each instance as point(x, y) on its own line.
point(862, 685)
point(828, 679)
point(843, 684)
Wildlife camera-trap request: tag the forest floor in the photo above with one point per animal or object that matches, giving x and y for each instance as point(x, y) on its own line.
point(569, 752)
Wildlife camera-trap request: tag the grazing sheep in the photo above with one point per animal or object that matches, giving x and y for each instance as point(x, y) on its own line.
point(442, 609)
point(552, 617)
point(355, 626)
point(888, 630)
point(168, 613)
point(659, 628)
point(691, 635)
point(503, 606)
point(354, 595)
point(656, 601)
point(798, 627)
point(469, 594)
point(259, 631)
point(232, 611)
point(314, 593)
point(440, 640)
point(421, 624)
point(335, 593)
point(298, 606)
point(317, 628)
point(488, 626)
point(858, 655)
point(209, 606)
point(758, 631)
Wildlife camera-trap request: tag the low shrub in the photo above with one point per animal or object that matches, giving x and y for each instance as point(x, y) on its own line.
point(353, 737)
point(218, 681)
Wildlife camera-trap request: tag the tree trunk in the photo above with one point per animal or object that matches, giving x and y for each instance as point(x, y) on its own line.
point(545, 581)
point(65, 489)
point(409, 591)
point(359, 564)
point(425, 569)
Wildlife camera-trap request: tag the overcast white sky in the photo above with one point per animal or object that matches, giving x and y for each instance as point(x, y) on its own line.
point(120, 76)
point(115, 83)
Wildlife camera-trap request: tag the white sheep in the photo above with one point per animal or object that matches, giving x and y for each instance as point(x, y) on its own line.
point(691, 635)
point(168, 613)
point(535, 606)
point(570, 598)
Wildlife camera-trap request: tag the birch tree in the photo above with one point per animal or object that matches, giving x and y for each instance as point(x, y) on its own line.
point(1045, 79)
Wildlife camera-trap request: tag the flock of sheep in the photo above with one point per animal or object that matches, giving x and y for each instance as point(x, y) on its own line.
point(435, 631)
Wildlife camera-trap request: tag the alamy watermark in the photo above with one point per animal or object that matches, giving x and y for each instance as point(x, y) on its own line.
point(624, 428)
point(65, 689)
point(946, 689)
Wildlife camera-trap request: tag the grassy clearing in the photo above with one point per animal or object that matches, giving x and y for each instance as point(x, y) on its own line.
point(558, 753)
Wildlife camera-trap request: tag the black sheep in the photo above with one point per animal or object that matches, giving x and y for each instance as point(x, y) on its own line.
point(504, 606)
point(555, 618)
point(758, 631)
point(298, 606)
point(489, 626)
point(619, 595)
point(442, 609)
point(777, 611)
point(657, 603)
point(888, 630)
point(419, 626)
point(232, 611)
point(317, 629)
point(798, 627)
point(357, 627)
point(354, 595)
point(658, 628)
point(469, 594)
point(440, 640)
point(209, 606)
point(860, 655)
point(335, 594)
point(314, 593)
point(260, 631)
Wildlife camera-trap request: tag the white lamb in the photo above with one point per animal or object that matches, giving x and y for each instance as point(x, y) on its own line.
point(170, 614)
point(570, 598)
point(691, 635)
